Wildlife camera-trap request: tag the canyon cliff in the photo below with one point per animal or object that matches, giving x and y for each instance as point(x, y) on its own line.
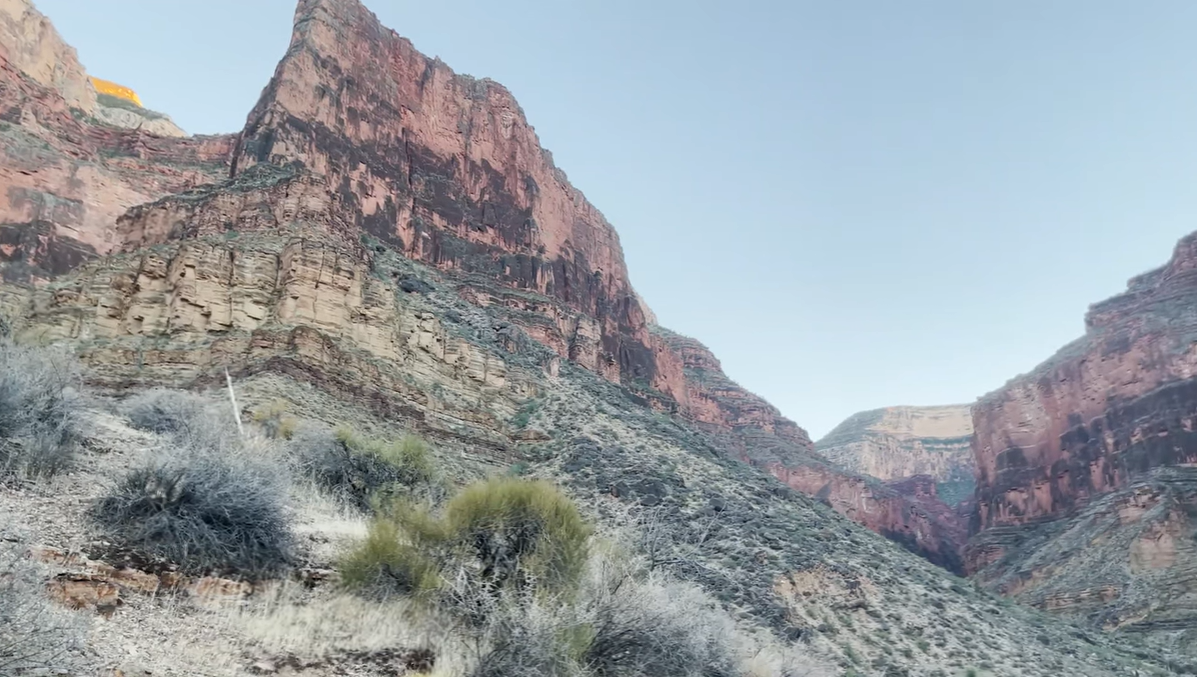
point(1085, 495)
point(896, 443)
point(65, 177)
point(386, 245)
point(285, 248)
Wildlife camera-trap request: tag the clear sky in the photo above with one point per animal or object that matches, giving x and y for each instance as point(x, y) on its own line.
point(854, 203)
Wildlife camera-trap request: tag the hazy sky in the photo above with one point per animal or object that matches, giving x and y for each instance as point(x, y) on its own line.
point(854, 204)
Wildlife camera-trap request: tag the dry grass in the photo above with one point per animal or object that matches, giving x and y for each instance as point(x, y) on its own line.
point(36, 636)
point(39, 410)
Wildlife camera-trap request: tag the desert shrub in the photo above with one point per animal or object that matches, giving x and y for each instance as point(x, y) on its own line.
point(36, 637)
point(189, 419)
point(644, 624)
point(275, 421)
point(520, 532)
point(39, 410)
point(357, 470)
point(386, 564)
point(525, 637)
point(504, 533)
point(219, 511)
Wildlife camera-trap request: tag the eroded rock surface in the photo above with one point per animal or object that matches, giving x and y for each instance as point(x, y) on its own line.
point(64, 176)
point(1084, 492)
point(897, 443)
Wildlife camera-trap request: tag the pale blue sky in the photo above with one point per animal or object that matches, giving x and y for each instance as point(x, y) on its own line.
point(854, 204)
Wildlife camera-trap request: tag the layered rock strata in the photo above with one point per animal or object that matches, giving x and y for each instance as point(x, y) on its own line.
point(897, 443)
point(1088, 456)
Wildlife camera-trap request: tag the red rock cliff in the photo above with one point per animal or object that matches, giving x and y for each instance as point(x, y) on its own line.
point(910, 513)
point(445, 168)
point(1107, 408)
point(65, 177)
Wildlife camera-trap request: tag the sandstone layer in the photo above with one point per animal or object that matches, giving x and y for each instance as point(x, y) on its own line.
point(897, 443)
point(1092, 449)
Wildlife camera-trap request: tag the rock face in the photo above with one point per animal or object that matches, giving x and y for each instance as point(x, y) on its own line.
point(446, 169)
point(30, 44)
point(896, 443)
point(1092, 448)
point(64, 179)
point(302, 255)
point(120, 114)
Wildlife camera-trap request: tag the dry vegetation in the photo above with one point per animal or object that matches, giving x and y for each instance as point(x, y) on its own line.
point(472, 576)
point(498, 578)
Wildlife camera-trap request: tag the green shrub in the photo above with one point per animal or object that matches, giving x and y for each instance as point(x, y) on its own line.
point(504, 533)
point(520, 532)
point(213, 512)
point(383, 564)
point(275, 421)
point(39, 410)
point(524, 415)
point(363, 472)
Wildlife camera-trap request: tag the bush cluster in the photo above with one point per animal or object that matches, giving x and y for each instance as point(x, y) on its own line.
point(39, 410)
point(36, 637)
point(518, 568)
point(362, 471)
point(503, 534)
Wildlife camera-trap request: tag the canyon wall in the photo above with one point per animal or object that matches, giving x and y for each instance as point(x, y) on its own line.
point(896, 443)
point(65, 177)
point(1088, 456)
point(296, 248)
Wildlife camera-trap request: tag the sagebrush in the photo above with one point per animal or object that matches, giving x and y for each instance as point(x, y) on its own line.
point(221, 511)
point(40, 409)
point(363, 471)
point(36, 636)
point(189, 420)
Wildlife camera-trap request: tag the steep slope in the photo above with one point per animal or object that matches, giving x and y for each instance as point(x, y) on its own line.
point(900, 442)
point(1085, 495)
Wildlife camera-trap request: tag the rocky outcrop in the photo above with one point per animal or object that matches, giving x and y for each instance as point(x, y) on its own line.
point(31, 45)
point(896, 443)
point(129, 116)
point(65, 178)
point(1091, 447)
